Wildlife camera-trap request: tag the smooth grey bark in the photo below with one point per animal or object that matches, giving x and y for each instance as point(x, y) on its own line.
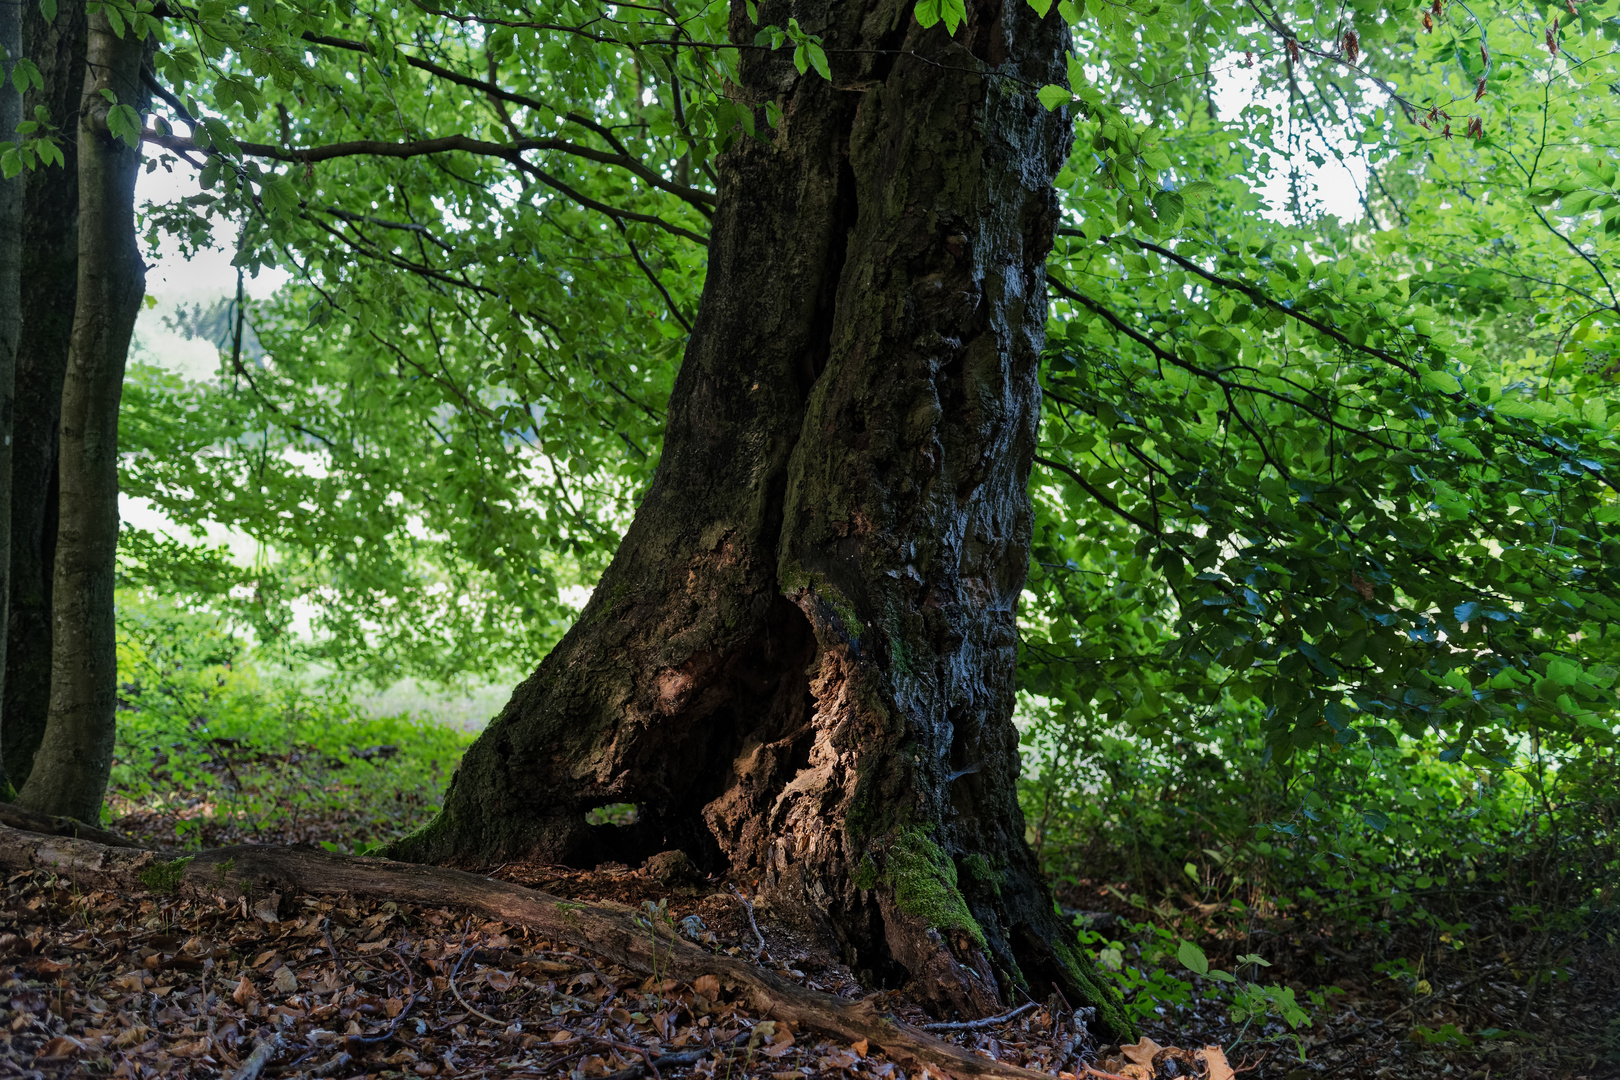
point(50, 260)
point(70, 770)
point(800, 664)
point(11, 199)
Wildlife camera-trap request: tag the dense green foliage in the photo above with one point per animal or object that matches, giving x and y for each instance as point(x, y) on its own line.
point(1354, 472)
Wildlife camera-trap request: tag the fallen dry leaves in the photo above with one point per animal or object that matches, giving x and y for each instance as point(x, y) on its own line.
point(143, 986)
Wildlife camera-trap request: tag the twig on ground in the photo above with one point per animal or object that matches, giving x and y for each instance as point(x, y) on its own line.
point(333, 1066)
point(1105, 1075)
point(355, 1042)
point(261, 1056)
point(1362, 1027)
point(671, 1061)
point(646, 1056)
point(207, 1012)
point(1451, 992)
point(760, 951)
point(1248, 1066)
point(454, 989)
point(587, 961)
point(975, 1025)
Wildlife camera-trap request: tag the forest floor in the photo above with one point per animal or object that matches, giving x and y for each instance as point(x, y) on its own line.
point(142, 985)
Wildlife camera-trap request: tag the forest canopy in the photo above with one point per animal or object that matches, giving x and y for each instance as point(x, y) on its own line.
point(1354, 469)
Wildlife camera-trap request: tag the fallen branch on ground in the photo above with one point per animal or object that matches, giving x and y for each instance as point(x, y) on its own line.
point(611, 931)
point(988, 1021)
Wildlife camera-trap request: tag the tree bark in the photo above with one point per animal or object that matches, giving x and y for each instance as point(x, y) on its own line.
point(800, 664)
point(50, 260)
point(613, 932)
point(11, 192)
point(70, 769)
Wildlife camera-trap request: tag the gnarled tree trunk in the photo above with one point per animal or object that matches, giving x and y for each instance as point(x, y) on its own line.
point(50, 261)
point(70, 769)
point(801, 660)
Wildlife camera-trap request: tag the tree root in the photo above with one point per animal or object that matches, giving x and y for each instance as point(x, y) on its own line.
point(611, 931)
point(50, 825)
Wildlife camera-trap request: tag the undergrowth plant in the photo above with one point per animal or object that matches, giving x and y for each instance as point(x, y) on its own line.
point(1210, 846)
point(213, 749)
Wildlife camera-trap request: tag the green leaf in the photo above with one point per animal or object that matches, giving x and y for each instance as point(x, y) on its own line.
point(24, 73)
point(10, 161)
point(1156, 158)
point(1198, 191)
point(927, 12)
point(1041, 8)
point(1600, 168)
point(1168, 207)
point(125, 123)
point(818, 60)
point(47, 8)
point(955, 14)
point(1052, 96)
point(1443, 381)
point(1192, 958)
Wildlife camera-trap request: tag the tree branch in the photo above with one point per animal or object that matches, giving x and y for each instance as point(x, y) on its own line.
point(704, 201)
point(508, 152)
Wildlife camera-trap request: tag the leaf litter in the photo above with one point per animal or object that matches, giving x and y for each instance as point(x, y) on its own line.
point(146, 985)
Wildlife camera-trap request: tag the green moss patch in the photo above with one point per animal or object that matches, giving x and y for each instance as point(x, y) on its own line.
point(924, 882)
point(1110, 1007)
point(866, 875)
point(980, 870)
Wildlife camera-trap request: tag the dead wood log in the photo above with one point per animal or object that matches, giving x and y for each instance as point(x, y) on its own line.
point(613, 932)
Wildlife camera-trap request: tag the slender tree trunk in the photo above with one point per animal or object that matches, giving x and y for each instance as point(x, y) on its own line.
point(11, 200)
point(70, 770)
point(800, 664)
point(50, 260)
